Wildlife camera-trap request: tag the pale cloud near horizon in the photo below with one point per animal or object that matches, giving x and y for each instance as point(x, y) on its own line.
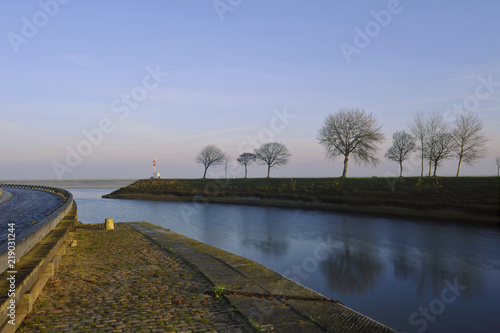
point(156, 134)
point(215, 133)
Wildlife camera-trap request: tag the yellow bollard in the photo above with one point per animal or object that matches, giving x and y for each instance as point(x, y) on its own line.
point(109, 224)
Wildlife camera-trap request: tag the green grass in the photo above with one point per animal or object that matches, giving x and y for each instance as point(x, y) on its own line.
point(218, 291)
point(473, 195)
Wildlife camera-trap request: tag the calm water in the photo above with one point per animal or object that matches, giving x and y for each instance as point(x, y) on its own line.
point(25, 207)
point(411, 276)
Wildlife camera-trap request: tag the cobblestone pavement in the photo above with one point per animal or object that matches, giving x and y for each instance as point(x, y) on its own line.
point(118, 281)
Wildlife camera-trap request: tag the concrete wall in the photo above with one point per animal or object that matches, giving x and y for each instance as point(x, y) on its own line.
point(20, 288)
point(5, 196)
point(42, 228)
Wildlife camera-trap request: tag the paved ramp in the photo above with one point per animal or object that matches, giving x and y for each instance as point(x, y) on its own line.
point(267, 299)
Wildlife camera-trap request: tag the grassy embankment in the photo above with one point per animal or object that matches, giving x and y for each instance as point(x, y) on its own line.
point(465, 199)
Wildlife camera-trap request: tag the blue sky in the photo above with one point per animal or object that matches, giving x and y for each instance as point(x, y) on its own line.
point(120, 82)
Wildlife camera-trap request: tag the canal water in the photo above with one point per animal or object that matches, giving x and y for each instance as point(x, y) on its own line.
point(25, 211)
point(414, 276)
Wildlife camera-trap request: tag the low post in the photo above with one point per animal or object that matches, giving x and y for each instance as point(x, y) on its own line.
point(109, 224)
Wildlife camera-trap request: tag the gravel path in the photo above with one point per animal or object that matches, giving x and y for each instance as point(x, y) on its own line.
point(118, 281)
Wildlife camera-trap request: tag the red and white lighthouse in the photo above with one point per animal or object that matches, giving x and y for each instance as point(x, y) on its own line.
point(156, 175)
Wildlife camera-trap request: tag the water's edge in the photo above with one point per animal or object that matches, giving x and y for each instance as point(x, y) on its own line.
point(445, 215)
point(246, 281)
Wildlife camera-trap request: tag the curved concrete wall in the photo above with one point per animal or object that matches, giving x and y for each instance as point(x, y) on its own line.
point(42, 228)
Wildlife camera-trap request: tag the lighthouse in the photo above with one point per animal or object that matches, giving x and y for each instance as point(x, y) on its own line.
point(156, 175)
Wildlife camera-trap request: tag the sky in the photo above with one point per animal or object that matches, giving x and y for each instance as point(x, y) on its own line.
point(98, 89)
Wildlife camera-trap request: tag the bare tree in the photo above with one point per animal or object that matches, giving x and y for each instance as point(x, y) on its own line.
point(402, 146)
point(438, 145)
point(246, 159)
point(210, 155)
point(498, 166)
point(443, 148)
point(419, 131)
point(469, 138)
point(351, 132)
point(272, 154)
point(227, 159)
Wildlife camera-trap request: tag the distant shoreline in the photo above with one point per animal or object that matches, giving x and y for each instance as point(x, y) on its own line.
point(76, 183)
point(377, 211)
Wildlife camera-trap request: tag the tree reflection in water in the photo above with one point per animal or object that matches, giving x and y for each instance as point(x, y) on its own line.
point(353, 267)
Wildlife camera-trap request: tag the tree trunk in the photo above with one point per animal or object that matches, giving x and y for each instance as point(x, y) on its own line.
point(346, 161)
point(459, 164)
point(268, 171)
point(435, 169)
point(205, 173)
point(245, 171)
point(460, 156)
point(430, 168)
point(422, 170)
point(401, 169)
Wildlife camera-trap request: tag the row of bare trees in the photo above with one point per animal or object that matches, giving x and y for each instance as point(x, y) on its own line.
point(436, 141)
point(352, 132)
point(271, 154)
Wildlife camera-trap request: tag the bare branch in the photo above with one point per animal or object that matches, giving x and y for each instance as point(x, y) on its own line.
point(469, 138)
point(246, 159)
point(211, 155)
point(402, 146)
point(419, 131)
point(438, 145)
point(442, 148)
point(272, 154)
point(351, 131)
